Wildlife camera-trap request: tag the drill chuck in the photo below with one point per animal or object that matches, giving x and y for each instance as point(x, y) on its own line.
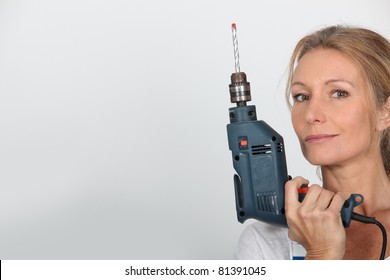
point(240, 90)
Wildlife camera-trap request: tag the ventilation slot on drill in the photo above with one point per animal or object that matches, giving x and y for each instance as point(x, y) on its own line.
point(261, 149)
point(267, 202)
point(279, 148)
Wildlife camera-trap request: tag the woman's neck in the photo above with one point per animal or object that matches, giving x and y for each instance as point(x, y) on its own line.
point(369, 180)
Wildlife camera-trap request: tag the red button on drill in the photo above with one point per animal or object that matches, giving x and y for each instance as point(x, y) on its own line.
point(244, 143)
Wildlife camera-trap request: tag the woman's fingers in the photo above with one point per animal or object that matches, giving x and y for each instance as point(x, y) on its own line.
point(318, 213)
point(337, 202)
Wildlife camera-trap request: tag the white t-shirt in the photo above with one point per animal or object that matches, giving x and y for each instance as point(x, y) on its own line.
point(261, 241)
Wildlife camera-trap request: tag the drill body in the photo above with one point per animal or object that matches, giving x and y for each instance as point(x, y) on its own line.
point(258, 158)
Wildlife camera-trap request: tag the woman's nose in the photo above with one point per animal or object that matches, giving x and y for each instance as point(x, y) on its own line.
point(315, 111)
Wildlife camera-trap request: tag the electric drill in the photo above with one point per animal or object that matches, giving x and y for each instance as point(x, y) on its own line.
point(259, 159)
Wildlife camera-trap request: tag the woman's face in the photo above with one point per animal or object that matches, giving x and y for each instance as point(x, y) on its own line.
point(330, 113)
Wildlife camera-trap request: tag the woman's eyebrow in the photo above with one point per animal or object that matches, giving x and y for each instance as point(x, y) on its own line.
point(330, 81)
point(297, 84)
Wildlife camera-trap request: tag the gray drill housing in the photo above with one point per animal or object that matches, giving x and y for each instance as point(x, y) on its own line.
point(259, 159)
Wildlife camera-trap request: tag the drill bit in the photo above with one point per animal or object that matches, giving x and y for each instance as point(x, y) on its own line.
point(235, 45)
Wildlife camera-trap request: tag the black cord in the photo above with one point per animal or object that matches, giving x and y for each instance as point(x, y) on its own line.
point(371, 220)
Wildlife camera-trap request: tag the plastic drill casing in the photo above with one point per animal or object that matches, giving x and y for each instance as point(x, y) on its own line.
point(260, 162)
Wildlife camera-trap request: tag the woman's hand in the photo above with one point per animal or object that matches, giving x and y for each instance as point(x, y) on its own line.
point(315, 223)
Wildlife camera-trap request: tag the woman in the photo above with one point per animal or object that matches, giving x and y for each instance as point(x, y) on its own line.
point(339, 84)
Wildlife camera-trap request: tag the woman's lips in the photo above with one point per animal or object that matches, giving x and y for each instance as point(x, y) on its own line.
point(318, 138)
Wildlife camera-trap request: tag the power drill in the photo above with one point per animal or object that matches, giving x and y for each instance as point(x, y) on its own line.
point(259, 159)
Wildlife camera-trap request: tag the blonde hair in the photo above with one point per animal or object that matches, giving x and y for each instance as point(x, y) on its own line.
point(371, 53)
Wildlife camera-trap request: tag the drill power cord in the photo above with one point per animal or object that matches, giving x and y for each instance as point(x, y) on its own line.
point(372, 220)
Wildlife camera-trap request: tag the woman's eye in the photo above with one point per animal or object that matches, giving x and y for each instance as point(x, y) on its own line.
point(339, 93)
point(300, 97)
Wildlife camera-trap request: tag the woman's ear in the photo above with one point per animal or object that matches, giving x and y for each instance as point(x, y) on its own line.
point(384, 116)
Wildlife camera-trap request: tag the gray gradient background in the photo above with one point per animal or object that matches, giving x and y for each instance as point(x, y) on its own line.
point(112, 118)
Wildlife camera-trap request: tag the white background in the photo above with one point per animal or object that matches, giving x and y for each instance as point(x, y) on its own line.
point(113, 119)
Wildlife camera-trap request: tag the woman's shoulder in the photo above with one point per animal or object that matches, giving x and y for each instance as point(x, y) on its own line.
point(263, 241)
point(265, 228)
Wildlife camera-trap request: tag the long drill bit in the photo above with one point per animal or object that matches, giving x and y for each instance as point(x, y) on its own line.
point(235, 45)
